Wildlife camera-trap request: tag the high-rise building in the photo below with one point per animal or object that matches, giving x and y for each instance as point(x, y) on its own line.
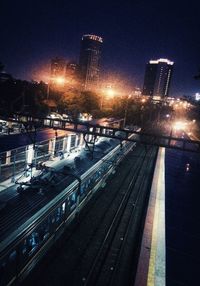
point(71, 76)
point(58, 68)
point(71, 69)
point(157, 77)
point(89, 61)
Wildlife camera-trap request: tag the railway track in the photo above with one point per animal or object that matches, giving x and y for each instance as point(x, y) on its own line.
point(92, 253)
point(106, 264)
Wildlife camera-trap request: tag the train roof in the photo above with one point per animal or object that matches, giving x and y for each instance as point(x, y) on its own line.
point(16, 209)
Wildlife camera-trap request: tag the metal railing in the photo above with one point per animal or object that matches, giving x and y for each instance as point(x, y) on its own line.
point(108, 131)
point(16, 161)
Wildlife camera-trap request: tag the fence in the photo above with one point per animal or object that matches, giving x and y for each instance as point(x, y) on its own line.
point(16, 161)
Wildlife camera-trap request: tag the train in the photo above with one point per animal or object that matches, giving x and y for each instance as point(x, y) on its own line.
point(24, 248)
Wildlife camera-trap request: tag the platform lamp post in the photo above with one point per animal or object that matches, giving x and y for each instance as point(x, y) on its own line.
point(108, 92)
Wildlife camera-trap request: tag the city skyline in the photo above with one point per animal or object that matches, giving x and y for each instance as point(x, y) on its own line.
point(133, 34)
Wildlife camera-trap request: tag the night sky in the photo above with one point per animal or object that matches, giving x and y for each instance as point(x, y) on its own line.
point(33, 32)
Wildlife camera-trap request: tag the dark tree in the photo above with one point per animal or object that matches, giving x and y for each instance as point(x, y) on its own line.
point(89, 101)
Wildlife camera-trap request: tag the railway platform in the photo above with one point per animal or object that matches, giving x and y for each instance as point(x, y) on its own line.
point(151, 270)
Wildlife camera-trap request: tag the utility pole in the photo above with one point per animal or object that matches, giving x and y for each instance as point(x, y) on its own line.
point(126, 110)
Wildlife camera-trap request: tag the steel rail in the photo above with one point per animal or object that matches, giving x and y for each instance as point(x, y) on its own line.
point(106, 245)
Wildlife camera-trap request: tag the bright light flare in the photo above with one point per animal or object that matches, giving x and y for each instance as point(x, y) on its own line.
point(59, 80)
point(197, 96)
point(187, 167)
point(180, 125)
point(110, 92)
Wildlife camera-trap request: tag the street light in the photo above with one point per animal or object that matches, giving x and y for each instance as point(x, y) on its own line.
point(180, 125)
point(60, 80)
point(109, 92)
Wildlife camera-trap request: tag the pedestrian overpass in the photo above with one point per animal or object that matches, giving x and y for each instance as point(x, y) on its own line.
point(91, 131)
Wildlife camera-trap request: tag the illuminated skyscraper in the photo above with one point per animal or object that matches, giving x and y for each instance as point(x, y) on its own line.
point(71, 69)
point(89, 61)
point(72, 76)
point(157, 77)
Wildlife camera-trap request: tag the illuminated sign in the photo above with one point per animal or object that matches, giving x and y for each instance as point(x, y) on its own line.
point(161, 61)
point(93, 37)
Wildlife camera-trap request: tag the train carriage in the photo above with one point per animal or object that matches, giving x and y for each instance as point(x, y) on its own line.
point(22, 249)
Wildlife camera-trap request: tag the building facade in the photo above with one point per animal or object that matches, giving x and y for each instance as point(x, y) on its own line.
point(89, 61)
point(58, 68)
point(158, 77)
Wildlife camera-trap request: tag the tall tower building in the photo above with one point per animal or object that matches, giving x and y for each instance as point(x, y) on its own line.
point(71, 69)
point(157, 77)
point(89, 61)
point(71, 76)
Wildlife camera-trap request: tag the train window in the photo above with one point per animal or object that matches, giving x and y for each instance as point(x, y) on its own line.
point(30, 244)
point(24, 247)
point(73, 197)
point(83, 192)
point(12, 256)
point(35, 240)
point(96, 176)
point(72, 200)
point(44, 230)
point(52, 219)
point(58, 214)
point(92, 180)
point(89, 183)
point(8, 268)
point(82, 188)
point(86, 186)
point(63, 207)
